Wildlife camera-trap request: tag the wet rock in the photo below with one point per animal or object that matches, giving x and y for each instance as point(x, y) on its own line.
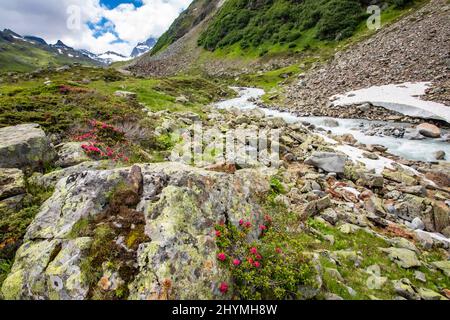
point(70, 154)
point(12, 183)
point(24, 146)
point(371, 156)
point(404, 258)
point(429, 130)
point(331, 123)
point(327, 161)
point(439, 155)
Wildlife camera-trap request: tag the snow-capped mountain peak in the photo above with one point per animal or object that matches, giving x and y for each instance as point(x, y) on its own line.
point(143, 47)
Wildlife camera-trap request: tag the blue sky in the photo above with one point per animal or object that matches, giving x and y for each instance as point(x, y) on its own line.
point(105, 25)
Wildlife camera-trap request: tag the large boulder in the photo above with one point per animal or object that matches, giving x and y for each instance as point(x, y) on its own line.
point(24, 146)
point(429, 130)
point(181, 206)
point(328, 161)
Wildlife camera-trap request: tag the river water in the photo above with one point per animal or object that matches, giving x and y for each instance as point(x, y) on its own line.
point(421, 150)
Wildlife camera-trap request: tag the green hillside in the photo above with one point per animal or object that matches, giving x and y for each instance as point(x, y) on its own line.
point(22, 56)
point(253, 23)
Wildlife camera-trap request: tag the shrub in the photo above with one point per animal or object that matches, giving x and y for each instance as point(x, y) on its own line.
point(262, 269)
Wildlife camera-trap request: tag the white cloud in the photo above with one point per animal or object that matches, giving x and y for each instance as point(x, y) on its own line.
point(48, 19)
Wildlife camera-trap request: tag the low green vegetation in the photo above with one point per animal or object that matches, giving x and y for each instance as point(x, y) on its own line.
point(62, 102)
point(15, 221)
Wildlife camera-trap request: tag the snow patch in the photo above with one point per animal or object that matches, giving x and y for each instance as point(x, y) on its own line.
point(402, 98)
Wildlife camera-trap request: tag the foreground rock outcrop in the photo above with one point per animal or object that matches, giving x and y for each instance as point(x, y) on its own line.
point(181, 206)
point(24, 146)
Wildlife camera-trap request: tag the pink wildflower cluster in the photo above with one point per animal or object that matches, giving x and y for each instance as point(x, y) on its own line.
point(103, 141)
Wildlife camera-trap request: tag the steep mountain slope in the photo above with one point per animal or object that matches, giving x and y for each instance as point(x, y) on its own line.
point(177, 49)
point(236, 36)
point(188, 19)
point(19, 53)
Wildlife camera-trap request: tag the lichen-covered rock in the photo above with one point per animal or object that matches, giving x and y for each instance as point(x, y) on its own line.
point(404, 258)
point(181, 262)
point(400, 176)
point(411, 207)
point(24, 146)
point(375, 205)
point(406, 289)
point(26, 279)
point(65, 280)
point(70, 154)
point(12, 183)
point(48, 269)
point(80, 195)
point(51, 179)
point(441, 217)
point(444, 266)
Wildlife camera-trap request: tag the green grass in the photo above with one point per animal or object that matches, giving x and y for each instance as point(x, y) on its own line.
point(356, 277)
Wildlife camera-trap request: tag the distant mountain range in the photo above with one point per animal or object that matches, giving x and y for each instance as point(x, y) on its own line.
point(27, 53)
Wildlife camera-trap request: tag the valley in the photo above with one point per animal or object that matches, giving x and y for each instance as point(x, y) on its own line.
point(336, 185)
